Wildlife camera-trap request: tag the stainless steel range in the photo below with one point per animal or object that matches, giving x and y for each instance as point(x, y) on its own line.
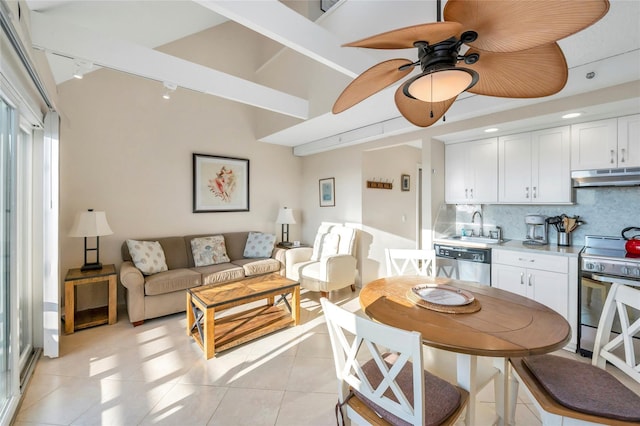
point(603, 260)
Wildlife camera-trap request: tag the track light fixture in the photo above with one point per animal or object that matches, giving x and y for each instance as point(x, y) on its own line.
point(169, 88)
point(81, 68)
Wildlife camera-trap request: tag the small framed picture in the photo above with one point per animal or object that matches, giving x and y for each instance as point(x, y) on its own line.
point(327, 192)
point(405, 183)
point(326, 4)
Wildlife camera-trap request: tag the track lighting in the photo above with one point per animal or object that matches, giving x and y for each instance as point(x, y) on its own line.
point(169, 88)
point(82, 67)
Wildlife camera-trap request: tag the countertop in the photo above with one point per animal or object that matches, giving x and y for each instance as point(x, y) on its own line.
point(517, 245)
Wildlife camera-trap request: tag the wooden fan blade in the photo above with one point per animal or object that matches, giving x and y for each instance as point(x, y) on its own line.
point(533, 73)
point(371, 82)
point(512, 25)
point(419, 112)
point(404, 38)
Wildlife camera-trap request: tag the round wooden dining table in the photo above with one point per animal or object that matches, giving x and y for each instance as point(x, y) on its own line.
point(505, 325)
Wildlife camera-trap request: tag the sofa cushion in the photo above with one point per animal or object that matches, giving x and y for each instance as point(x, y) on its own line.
point(259, 245)
point(170, 281)
point(309, 269)
point(209, 250)
point(235, 242)
point(222, 272)
point(148, 256)
point(258, 266)
point(325, 245)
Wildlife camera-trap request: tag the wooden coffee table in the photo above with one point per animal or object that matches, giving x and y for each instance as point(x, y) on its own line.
point(218, 334)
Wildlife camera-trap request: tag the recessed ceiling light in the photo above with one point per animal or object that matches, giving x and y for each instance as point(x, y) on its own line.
point(491, 130)
point(572, 115)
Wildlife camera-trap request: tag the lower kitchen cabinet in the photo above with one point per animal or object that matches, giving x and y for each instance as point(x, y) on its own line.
point(546, 278)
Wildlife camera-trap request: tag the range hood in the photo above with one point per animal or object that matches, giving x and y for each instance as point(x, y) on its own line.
point(629, 176)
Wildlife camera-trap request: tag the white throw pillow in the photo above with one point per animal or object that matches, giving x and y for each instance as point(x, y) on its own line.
point(325, 245)
point(148, 256)
point(209, 250)
point(259, 245)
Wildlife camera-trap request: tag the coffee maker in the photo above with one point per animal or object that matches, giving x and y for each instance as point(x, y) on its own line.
point(537, 230)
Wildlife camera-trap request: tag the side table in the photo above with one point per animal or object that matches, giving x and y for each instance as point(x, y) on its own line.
point(91, 317)
point(290, 246)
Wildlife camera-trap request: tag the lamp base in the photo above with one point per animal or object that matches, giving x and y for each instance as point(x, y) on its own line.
point(286, 244)
point(91, 267)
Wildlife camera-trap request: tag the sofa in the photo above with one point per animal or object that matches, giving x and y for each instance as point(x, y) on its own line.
point(155, 294)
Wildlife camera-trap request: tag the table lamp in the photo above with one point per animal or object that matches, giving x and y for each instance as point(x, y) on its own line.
point(90, 224)
point(285, 217)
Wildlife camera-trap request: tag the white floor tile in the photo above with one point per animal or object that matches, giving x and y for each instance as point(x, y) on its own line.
point(250, 407)
point(186, 405)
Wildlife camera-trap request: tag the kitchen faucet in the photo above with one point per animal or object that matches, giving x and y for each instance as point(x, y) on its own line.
point(473, 220)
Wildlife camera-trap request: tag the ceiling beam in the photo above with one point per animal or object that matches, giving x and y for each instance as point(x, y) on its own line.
point(66, 39)
point(273, 19)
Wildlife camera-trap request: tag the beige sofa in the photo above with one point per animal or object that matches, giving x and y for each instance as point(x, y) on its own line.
point(163, 293)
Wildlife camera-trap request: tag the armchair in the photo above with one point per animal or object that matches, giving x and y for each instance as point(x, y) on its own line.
point(329, 265)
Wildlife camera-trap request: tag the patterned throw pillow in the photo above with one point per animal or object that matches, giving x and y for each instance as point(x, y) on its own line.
point(259, 245)
point(148, 256)
point(209, 250)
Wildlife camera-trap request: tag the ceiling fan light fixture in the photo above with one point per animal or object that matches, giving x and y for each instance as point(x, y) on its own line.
point(440, 84)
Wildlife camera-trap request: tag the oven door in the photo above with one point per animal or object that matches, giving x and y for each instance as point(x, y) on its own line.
point(594, 289)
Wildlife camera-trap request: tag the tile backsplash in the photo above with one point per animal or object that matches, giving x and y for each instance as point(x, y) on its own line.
point(605, 211)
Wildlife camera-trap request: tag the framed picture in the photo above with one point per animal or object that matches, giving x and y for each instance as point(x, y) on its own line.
point(327, 192)
point(220, 184)
point(326, 4)
point(405, 182)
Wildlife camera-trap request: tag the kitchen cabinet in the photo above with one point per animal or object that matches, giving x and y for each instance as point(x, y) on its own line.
point(546, 278)
point(535, 167)
point(605, 144)
point(471, 172)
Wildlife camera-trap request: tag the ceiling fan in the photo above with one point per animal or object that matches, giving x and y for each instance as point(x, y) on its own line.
point(510, 51)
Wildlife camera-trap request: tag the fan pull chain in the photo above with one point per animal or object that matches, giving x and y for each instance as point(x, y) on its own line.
point(431, 83)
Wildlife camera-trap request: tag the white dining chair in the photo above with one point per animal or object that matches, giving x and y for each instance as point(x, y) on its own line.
point(380, 374)
point(410, 262)
point(568, 391)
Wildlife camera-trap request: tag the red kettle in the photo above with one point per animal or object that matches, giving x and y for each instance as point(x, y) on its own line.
point(633, 243)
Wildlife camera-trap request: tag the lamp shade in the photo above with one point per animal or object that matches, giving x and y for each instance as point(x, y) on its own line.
point(440, 85)
point(90, 224)
point(285, 216)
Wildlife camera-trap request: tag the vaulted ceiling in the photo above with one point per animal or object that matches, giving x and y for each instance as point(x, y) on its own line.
point(127, 35)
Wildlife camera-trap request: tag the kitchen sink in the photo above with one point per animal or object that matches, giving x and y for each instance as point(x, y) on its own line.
point(480, 240)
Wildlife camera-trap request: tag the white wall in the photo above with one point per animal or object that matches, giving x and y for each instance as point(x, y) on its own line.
point(389, 216)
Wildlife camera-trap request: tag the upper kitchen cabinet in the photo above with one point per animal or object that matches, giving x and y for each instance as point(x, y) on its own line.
point(471, 172)
point(535, 167)
point(606, 144)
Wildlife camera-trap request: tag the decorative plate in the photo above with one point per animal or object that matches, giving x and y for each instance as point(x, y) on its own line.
point(442, 295)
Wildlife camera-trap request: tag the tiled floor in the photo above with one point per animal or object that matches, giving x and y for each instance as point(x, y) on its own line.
point(156, 374)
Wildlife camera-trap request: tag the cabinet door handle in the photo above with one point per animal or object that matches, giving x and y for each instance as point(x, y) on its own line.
point(526, 192)
point(522, 278)
point(622, 155)
point(471, 192)
point(529, 279)
point(466, 193)
point(535, 195)
point(613, 156)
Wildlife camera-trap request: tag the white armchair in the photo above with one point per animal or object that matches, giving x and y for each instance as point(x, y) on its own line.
point(329, 265)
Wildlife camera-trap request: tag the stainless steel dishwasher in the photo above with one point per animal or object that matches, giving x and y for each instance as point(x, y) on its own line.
point(464, 263)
